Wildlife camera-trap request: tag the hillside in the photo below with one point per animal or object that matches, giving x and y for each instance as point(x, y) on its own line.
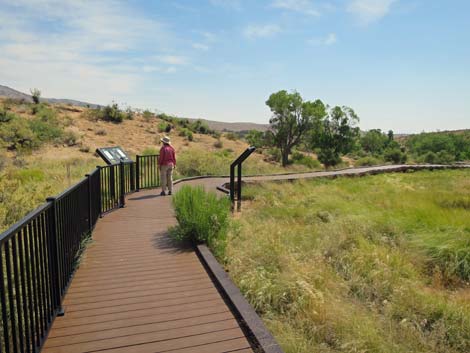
point(7, 92)
point(47, 147)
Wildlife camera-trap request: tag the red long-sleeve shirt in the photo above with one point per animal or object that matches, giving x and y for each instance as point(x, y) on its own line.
point(167, 155)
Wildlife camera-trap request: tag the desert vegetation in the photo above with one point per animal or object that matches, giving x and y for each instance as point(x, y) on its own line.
point(373, 264)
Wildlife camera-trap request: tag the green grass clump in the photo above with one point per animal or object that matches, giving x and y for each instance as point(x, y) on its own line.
point(373, 264)
point(367, 161)
point(202, 216)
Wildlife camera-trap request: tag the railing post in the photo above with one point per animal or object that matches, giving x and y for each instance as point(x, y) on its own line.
point(100, 197)
point(112, 182)
point(122, 180)
point(232, 183)
point(90, 221)
point(239, 187)
point(137, 173)
point(132, 175)
point(56, 284)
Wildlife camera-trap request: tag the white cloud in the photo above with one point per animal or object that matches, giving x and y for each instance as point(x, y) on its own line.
point(82, 49)
point(369, 11)
point(328, 40)
point(230, 4)
point(303, 6)
point(200, 46)
point(261, 31)
point(172, 59)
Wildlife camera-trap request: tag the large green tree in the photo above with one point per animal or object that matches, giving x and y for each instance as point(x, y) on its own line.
point(336, 135)
point(292, 119)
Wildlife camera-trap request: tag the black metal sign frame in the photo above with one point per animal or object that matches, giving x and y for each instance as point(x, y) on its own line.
point(113, 155)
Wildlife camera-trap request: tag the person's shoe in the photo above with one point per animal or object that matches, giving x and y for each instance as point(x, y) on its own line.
point(169, 192)
point(162, 193)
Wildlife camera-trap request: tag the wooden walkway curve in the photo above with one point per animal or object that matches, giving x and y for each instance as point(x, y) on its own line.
point(136, 291)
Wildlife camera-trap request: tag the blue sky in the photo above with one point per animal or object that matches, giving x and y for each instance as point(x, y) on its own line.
point(402, 65)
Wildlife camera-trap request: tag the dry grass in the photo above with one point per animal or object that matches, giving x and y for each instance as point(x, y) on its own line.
point(373, 264)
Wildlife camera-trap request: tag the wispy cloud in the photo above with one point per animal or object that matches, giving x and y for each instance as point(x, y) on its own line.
point(328, 40)
point(230, 4)
point(78, 46)
point(172, 59)
point(302, 6)
point(200, 46)
point(370, 11)
point(261, 31)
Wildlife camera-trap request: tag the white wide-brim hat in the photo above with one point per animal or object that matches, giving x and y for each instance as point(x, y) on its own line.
point(166, 139)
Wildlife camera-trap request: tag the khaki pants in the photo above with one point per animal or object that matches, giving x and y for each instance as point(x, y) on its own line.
point(166, 174)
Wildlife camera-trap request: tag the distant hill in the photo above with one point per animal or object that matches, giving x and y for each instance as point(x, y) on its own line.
point(14, 94)
point(234, 127)
point(8, 92)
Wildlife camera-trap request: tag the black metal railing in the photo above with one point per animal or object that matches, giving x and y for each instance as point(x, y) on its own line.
point(238, 164)
point(39, 254)
point(147, 173)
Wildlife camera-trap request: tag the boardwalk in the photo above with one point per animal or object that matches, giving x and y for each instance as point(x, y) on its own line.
point(137, 292)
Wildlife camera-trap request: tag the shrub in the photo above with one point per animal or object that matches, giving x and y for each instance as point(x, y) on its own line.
point(216, 134)
point(302, 159)
point(3, 161)
point(112, 113)
point(5, 116)
point(185, 132)
point(274, 154)
point(149, 151)
point(200, 127)
point(329, 157)
point(70, 138)
point(202, 217)
point(367, 161)
point(17, 135)
point(85, 149)
point(255, 138)
point(148, 115)
point(46, 126)
point(163, 127)
point(35, 94)
point(231, 136)
point(218, 144)
point(444, 157)
point(101, 132)
point(395, 155)
point(430, 157)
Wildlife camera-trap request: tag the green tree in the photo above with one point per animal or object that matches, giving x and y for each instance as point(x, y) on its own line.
point(374, 141)
point(336, 135)
point(255, 138)
point(292, 119)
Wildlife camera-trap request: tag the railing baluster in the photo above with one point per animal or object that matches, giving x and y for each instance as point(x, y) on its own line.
point(3, 293)
point(14, 325)
point(26, 308)
point(18, 305)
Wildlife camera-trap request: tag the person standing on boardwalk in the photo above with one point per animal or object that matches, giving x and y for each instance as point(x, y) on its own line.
point(167, 163)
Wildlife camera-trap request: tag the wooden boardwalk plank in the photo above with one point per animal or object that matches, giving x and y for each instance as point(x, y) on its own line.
point(136, 291)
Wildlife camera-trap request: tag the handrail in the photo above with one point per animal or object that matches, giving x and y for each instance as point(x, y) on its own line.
point(38, 254)
point(238, 163)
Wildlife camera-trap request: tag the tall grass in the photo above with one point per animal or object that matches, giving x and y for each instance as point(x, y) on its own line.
point(24, 188)
point(373, 264)
point(202, 216)
point(197, 162)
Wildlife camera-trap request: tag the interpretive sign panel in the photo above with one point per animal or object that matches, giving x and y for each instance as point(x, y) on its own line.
point(113, 155)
